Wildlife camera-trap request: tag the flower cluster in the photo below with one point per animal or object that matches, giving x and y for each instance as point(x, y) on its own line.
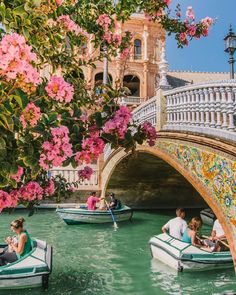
point(104, 21)
point(206, 22)
point(16, 62)
point(49, 190)
point(56, 151)
point(32, 191)
point(85, 173)
point(150, 133)
point(70, 26)
point(5, 200)
point(92, 148)
point(119, 123)
point(60, 90)
point(18, 175)
point(30, 115)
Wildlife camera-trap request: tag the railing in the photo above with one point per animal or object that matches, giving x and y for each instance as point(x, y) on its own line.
point(71, 175)
point(107, 151)
point(147, 111)
point(132, 100)
point(207, 108)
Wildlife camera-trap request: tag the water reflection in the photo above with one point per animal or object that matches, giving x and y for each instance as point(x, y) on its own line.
point(172, 282)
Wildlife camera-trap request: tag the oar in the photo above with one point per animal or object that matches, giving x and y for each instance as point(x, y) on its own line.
point(112, 215)
point(222, 242)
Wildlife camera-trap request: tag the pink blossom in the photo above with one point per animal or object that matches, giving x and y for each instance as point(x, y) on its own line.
point(208, 21)
point(104, 21)
point(84, 118)
point(150, 133)
point(30, 192)
point(119, 123)
point(15, 61)
point(70, 26)
point(59, 2)
point(190, 13)
point(56, 151)
point(117, 39)
point(167, 2)
point(30, 115)
point(50, 188)
point(85, 173)
point(124, 53)
point(107, 37)
point(5, 200)
point(183, 37)
point(58, 89)
point(18, 175)
point(191, 30)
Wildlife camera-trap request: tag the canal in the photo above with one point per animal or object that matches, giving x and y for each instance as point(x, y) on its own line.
point(96, 260)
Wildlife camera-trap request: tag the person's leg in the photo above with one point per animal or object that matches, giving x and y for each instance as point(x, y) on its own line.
point(8, 257)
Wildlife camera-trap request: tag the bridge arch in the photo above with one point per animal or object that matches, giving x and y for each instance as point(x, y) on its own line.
point(202, 168)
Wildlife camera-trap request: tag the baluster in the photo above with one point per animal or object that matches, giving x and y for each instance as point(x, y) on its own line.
point(224, 108)
point(234, 102)
point(218, 109)
point(174, 109)
point(171, 110)
point(192, 107)
point(230, 106)
point(185, 108)
point(181, 106)
point(168, 110)
point(206, 107)
point(188, 108)
point(202, 107)
point(177, 109)
point(197, 108)
point(212, 108)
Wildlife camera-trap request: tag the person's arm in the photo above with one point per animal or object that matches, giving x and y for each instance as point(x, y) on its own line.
point(21, 244)
point(165, 227)
point(213, 235)
point(194, 241)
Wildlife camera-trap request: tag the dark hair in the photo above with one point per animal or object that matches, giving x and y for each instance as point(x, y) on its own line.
point(18, 223)
point(195, 223)
point(93, 193)
point(112, 195)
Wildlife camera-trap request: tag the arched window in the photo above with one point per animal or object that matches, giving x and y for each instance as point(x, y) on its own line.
point(133, 84)
point(99, 81)
point(137, 49)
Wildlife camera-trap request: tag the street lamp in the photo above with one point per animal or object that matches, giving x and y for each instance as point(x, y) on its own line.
point(230, 47)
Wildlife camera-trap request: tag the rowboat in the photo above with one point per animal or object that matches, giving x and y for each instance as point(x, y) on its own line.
point(32, 270)
point(207, 216)
point(83, 216)
point(186, 257)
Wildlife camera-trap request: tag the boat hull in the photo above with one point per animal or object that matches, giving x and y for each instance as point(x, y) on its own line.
point(81, 216)
point(30, 271)
point(185, 257)
point(207, 216)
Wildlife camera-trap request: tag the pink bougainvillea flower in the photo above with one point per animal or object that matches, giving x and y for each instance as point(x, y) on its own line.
point(85, 173)
point(60, 90)
point(18, 175)
point(5, 200)
point(49, 190)
point(30, 115)
point(150, 132)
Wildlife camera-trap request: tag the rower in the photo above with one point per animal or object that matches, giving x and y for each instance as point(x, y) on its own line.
point(217, 235)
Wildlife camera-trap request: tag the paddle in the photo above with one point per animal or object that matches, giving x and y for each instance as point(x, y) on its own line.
point(222, 242)
point(112, 215)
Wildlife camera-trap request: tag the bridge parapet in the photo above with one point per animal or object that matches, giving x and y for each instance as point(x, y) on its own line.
point(206, 108)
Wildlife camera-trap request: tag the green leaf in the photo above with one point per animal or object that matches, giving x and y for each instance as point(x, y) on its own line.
point(2, 143)
point(7, 122)
point(20, 10)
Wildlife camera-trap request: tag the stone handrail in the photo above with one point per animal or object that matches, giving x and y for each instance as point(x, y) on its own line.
point(71, 175)
point(206, 108)
point(147, 111)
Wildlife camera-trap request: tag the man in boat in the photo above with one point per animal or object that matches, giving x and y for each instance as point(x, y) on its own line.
point(217, 235)
point(92, 201)
point(176, 226)
point(114, 204)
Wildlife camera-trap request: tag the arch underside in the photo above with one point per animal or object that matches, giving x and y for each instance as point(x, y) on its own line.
point(211, 173)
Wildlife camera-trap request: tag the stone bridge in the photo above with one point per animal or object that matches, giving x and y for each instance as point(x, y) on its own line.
point(197, 135)
point(194, 156)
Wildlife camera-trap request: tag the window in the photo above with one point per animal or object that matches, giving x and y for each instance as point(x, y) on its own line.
point(133, 84)
point(137, 49)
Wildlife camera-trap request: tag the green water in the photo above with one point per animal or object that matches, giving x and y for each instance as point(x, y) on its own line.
point(96, 260)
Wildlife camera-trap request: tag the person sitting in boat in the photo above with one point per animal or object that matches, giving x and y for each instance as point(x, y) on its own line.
point(20, 249)
point(190, 234)
point(217, 235)
point(114, 203)
point(177, 225)
point(92, 201)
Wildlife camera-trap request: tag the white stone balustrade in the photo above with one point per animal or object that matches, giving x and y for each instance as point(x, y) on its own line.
point(207, 108)
point(147, 111)
point(71, 175)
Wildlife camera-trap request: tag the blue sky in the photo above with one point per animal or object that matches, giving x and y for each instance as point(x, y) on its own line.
point(206, 54)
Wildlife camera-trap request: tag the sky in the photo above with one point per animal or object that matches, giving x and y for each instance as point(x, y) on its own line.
point(206, 54)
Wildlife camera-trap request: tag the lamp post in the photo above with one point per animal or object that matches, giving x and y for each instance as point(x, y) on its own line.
point(230, 47)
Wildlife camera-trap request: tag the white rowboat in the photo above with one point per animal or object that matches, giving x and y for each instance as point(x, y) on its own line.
point(183, 256)
point(32, 270)
point(207, 216)
point(82, 216)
